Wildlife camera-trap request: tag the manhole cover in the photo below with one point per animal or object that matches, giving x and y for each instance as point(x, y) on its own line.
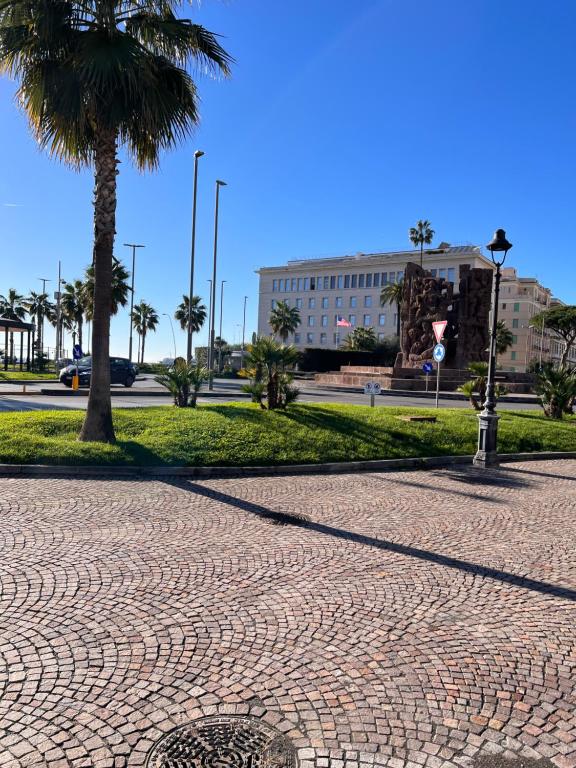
point(223, 742)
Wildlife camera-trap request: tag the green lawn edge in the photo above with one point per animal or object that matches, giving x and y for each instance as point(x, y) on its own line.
point(241, 434)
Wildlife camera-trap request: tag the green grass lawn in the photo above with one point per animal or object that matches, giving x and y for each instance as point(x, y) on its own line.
point(9, 375)
point(239, 434)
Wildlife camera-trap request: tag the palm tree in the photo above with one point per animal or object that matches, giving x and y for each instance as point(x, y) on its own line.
point(361, 340)
point(267, 362)
point(144, 319)
point(119, 289)
point(504, 337)
point(197, 317)
point(74, 306)
point(39, 307)
point(12, 308)
point(421, 234)
point(284, 320)
point(96, 75)
point(392, 294)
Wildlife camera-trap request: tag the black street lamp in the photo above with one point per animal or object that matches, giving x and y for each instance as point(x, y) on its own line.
point(486, 455)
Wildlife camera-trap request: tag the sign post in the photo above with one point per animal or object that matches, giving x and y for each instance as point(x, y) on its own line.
point(438, 354)
point(372, 388)
point(427, 368)
point(76, 355)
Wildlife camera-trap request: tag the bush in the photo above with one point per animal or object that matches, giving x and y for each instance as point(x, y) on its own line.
point(557, 390)
point(184, 381)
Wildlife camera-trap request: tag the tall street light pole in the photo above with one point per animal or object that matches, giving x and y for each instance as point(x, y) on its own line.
point(197, 155)
point(209, 316)
point(165, 314)
point(243, 333)
point(57, 354)
point(213, 301)
point(220, 331)
point(133, 246)
point(40, 337)
point(487, 455)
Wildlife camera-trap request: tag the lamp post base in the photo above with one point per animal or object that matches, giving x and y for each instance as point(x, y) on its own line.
point(486, 455)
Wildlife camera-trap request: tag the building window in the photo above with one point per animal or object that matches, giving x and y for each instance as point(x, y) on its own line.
point(337, 339)
point(515, 323)
point(296, 338)
point(367, 301)
point(361, 281)
point(333, 282)
point(324, 320)
point(442, 273)
point(433, 272)
point(517, 307)
point(376, 282)
point(391, 277)
point(346, 281)
point(324, 302)
point(399, 276)
point(287, 302)
point(384, 279)
point(451, 275)
point(312, 283)
point(382, 319)
point(354, 281)
point(310, 338)
point(369, 280)
point(340, 282)
point(294, 283)
point(273, 303)
point(306, 283)
point(381, 337)
point(326, 282)
point(311, 303)
point(300, 283)
point(274, 286)
point(514, 339)
point(367, 320)
point(352, 319)
point(352, 301)
point(339, 301)
point(323, 338)
point(310, 321)
point(504, 305)
point(513, 355)
point(298, 303)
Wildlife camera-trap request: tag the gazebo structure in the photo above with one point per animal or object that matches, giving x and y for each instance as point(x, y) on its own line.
point(10, 327)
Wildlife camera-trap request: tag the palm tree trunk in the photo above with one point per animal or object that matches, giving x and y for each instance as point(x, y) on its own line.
point(143, 342)
point(138, 355)
point(422, 255)
point(98, 424)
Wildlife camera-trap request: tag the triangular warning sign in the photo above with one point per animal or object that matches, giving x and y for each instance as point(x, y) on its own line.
point(439, 327)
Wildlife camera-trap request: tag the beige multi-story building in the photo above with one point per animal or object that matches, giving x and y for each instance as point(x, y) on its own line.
point(325, 290)
point(521, 298)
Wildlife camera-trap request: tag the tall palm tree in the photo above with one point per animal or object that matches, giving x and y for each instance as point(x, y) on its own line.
point(392, 294)
point(96, 75)
point(119, 289)
point(284, 320)
point(421, 234)
point(40, 308)
point(198, 315)
point(144, 319)
point(12, 308)
point(74, 305)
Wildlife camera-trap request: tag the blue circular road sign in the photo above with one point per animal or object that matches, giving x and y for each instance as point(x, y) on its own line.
point(439, 352)
point(427, 367)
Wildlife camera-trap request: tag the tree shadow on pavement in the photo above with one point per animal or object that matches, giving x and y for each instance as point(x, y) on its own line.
point(534, 585)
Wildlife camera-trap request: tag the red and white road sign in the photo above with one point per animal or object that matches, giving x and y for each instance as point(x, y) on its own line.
point(439, 327)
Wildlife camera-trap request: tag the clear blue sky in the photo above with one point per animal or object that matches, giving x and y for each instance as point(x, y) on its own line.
point(342, 125)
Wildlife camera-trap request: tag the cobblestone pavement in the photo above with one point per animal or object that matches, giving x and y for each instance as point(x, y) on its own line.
point(394, 619)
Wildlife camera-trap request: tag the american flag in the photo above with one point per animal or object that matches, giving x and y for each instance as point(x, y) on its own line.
point(342, 322)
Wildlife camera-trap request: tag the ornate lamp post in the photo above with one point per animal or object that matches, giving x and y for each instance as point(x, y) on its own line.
point(486, 455)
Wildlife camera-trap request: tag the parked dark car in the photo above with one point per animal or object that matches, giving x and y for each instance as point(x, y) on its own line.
point(122, 371)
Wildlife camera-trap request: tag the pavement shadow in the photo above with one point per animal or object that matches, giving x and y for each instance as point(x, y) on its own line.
point(505, 577)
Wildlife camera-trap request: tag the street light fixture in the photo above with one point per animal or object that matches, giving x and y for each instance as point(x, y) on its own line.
point(486, 455)
point(197, 155)
point(133, 246)
point(219, 184)
point(165, 314)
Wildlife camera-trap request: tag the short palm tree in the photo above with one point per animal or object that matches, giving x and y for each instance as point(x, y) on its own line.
point(420, 235)
point(267, 363)
point(392, 294)
point(284, 320)
point(504, 337)
point(144, 319)
point(74, 305)
point(40, 308)
point(184, 381)
point(197, 316)
point(96, 75)
point(556, 388)
point(361, 340)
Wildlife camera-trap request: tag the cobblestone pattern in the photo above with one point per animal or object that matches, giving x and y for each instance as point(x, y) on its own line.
point(400, 619)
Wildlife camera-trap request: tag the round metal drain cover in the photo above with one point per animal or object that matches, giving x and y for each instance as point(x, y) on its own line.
point(223, 742)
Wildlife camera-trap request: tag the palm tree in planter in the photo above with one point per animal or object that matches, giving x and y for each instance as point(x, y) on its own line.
point(40, 308)
point(197, 316)
point(12, 307)
point(392, 294)
point(144, 319)
point(284, 320)
point(420, 235)
point(74, 305)
point(96, 75)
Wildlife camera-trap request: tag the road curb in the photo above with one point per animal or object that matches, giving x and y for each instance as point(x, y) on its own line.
point(381, 465)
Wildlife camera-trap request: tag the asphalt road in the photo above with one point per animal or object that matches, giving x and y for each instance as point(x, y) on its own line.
point(226, 389)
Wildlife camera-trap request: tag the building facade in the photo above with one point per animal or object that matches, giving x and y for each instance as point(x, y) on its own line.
point(348, 287)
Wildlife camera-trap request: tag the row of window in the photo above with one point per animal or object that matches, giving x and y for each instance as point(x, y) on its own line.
point(351, 319)
point(339, 282)
point(336, 282)
point(337, 340)
point(516, 307)
point(325, 302)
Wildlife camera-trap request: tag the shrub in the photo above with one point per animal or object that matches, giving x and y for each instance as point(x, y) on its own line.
point(556, 388)
point(184, 381)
